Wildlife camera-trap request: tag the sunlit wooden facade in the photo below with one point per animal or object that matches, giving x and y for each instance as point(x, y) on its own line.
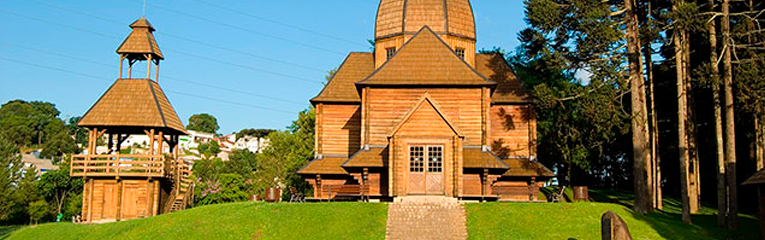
point(425, 115)
point(118, 185)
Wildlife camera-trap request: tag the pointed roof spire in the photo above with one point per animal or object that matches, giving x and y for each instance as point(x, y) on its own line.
point(140, 42)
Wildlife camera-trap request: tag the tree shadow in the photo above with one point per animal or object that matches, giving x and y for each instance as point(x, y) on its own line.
point(507, 82)
point(668, 222)
point(6, 231)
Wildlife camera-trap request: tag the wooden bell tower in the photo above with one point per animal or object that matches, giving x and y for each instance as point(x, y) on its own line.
point(140, 181)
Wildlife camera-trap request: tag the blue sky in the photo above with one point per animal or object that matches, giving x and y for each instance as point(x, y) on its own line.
point(251, 64)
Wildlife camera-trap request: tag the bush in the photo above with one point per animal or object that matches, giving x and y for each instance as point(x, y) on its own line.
point(227, 188)
point(38, 210)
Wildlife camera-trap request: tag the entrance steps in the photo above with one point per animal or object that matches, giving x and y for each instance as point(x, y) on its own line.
point(426, 217)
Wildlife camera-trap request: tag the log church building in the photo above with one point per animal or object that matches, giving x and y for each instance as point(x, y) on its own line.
point(424, 114)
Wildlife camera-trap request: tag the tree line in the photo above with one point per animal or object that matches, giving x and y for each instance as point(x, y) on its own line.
point(670, 87)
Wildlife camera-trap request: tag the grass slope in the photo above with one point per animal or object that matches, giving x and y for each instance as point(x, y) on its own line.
point(234, 221)
point(582, 220)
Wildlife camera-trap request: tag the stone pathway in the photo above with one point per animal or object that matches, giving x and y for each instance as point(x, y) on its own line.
point(426, 217)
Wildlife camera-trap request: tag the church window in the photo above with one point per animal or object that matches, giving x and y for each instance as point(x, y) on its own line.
point(416, 159)
point(460, 52)
point(389, 52)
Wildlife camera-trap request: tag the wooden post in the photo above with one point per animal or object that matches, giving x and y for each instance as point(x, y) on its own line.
point(151, 142)
point(364, 177)
point(156, 75)
point(90, 201)
point(119, 199)
point(161, 142)
point(532, 185)
point(130, 68)
point(318, 186)
point(150, 197)
point(111, 143)
point(156, 199)
point(148, 66)
point(122, 59)
point(484, 181)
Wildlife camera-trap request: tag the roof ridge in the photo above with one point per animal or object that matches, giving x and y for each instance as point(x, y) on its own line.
point(156, 101)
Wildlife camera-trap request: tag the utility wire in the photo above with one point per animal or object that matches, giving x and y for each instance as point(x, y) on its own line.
point(330, 36)
point(172, 50)
point(165, 33)
point(243, 29)
point(172, 78)
point(176, 92)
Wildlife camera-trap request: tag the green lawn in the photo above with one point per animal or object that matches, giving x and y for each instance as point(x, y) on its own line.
point(233, 221)
point(582, 220)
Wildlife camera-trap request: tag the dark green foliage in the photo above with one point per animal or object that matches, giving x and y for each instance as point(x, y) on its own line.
point(203, 122)
point(10, 173)
point(287, 152)
point(257, 133)
point(207, 169)
point(80, 133)
point(58, 142)
point(58, 188)
point(209, 149)
point(38, 210)
point(227, 188)
point(240, 162)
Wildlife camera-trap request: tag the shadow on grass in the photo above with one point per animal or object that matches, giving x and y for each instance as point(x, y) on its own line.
point(6, 231)
point(668, 221)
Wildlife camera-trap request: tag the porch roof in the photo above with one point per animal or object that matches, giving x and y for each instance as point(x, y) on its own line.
point(524, 167)
point(327, 165)
point(371, 157)
point(477, 158)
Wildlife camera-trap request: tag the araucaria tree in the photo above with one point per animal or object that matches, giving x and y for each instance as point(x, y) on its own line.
point(601, 38)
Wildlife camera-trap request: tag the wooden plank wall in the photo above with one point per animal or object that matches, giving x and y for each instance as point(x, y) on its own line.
point(340, 129)
point(387, 107)
point(468, 45)
point(381, 45)
point(511, 130)
point(108, 197)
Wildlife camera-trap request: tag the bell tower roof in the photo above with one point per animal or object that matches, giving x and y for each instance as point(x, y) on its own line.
point(140, 43)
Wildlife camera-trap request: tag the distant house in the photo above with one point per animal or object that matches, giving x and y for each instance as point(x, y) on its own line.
point(254, 144)
point(33, 160)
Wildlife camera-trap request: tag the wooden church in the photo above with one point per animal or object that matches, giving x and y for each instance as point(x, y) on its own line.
point(123, 185)
point(425, 115)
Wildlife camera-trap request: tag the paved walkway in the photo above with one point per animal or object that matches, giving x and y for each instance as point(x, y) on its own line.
point(426, 218)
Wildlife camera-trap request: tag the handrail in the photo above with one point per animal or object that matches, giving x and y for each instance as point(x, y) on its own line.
point(116, 165)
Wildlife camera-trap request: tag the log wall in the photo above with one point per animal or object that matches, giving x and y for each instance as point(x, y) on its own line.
point(338, 129)
point(512, 130)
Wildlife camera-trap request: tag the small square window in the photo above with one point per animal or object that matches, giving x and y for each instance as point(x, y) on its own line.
point(460, 52)
point(389, 52)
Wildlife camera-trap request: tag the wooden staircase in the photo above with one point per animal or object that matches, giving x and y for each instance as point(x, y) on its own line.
point(183, 188)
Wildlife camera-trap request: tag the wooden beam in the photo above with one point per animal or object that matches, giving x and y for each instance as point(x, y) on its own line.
point(148, 66)
point(161, 143)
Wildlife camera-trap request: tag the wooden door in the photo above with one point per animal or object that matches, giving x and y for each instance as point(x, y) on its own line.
point(426, 173)
point(129, 202)
point(109, 210)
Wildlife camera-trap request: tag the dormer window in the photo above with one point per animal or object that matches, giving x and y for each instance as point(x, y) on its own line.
point(389, 52)
point(460, 52)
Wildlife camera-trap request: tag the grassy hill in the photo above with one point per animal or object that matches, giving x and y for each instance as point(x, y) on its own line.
point(351, 220)
point(234, 221)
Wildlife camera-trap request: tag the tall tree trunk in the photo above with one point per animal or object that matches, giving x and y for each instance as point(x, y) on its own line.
point(654, 126)
point(690, 124)
point(641, 157)
point(682, 139)
point(730, 121)
point(760, 143)
point(722, 193)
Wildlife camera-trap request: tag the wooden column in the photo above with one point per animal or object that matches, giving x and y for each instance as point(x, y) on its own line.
point(148, 66)
point(156, 199)
point(364, 177)
point(156, 75)
point(532, 185)
point(161, 143)
point(122, 59)
point(85, 197)
point(484, 182)
point(130, 68)
point(152, 139)
point(150, 197)
point(90, 201)
point(318, 186)
point(119, 199)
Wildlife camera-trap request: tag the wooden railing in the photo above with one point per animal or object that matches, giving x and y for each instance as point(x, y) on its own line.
point(120, 165)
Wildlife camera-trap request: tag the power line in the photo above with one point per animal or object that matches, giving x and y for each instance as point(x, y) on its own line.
point(176, 92)
point(184, 53)
point(164, 33)
point(68, 56)
point(280, 23)
point(245, 29)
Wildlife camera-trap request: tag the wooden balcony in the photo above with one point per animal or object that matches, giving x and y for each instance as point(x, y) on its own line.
point(121, 165)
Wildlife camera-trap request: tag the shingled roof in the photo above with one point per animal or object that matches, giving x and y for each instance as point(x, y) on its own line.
point(523, 167)
point(133, 103)
point(372, 157)
point(140, 41)
point(327, 165)
point(341, 87)
point(757, 178)
point(509, 88)
point(477, 158)
point(426, 60)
